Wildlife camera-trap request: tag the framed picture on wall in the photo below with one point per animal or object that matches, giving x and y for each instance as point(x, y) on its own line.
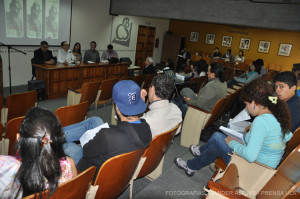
point(285, 49)
point(226, 41)
point(264, 46)
point(245, 43)
point(210, 38)
point(194, 36)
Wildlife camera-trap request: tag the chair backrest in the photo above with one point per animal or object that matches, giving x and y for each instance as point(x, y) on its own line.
point(89, 91)
point(139, 79)
point(148, 80)
point(126, 78)
point(156, 151)
point(74, 188)
point(11, 131)
point(116, 173)
point(73, 114)
point(293, 143)
point(199, 81)
point(242, 66)
point(18, 104)
point(216, 112)
point(106, 89)
point(286, 180)
point(229, 64)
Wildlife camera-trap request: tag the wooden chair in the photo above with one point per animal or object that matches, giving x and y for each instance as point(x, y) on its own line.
point(116, 173)
point(220, 61)
point(1, 107)
point(139, 80)
point(18, 104)
point(73, 114)
point(207, 59)
point(87, 92)
point(74, 188)
point(105, 92)
point(151, 163)
point(195, 120)
point(126, 78)
point(242, 179)
point(11, 131)
point(248, 62)
point(242, 67)
point(229, 64)
point(147, 81)
point(293, 143)
point(199, 83)
point(270, 75)
point(196, 57)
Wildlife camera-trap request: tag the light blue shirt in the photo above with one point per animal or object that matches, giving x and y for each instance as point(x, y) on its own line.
point(250, 76)
point(264, 141)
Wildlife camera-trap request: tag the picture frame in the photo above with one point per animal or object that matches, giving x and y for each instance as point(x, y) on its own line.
point(194, 36)
point(245, 43)
point(285, 49)
point(226, 41)
point(264, 46)
point(210, 38)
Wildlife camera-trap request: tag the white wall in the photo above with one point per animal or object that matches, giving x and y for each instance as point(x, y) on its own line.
point(90, 21)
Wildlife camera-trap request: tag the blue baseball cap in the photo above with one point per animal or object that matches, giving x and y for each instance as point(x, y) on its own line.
point(127, 96)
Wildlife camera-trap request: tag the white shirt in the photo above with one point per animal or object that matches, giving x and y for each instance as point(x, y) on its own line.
point(63, 56)
point(162, 117)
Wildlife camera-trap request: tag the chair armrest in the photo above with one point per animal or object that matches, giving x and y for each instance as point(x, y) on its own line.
point(224, 190)
point(72, 89)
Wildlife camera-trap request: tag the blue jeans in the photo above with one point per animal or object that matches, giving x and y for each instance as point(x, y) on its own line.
point(74, 132)
point(214, 148)
point(179, 101)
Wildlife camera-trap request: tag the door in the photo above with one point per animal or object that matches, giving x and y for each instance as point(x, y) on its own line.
point(144, 44)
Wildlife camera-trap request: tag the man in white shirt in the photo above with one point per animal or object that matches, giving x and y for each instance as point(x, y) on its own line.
point(162, 115)
point(65, 55)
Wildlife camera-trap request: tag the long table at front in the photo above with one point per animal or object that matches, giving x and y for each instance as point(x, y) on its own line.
point(60, 77)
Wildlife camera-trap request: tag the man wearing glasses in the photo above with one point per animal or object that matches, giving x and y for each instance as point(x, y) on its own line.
point(64, 55)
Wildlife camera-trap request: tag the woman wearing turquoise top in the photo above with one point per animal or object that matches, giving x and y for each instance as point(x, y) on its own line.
point(264, 142)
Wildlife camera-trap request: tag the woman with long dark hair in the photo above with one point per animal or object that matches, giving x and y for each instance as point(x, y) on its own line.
point(264, 142)
point(43, 163)
point(77, 51)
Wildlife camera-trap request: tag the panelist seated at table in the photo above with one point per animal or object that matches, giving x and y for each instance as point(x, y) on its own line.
point(43, 55)
point(92, 55)
point(109, 53)
point(64, 55)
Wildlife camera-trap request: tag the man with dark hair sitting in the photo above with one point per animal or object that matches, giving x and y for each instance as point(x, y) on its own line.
point(285, 87)
point(209, 95)
point(43, 55)
point(130, 134)
point(162, 115)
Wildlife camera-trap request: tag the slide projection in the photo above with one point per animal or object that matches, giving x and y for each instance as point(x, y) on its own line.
point(28, 22)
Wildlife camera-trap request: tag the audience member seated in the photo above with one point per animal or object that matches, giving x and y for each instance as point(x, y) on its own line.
point(130, 134)
point(285, 87)
point(265, 140)
point(77, 52)
point(240, 57)
point(216, 54)
point(109, 53)
point(263, 70)
point(149, 68)
point(42, 164)
point(43, 55)
point(208, 96)
point(195, 70)
point(169, 64)
point(255, 69)
point(162, 115)
point(183, 56)
point(92, 55)
point(228, 56)
point(64, 55)
point(296, 70)
point(203, 66)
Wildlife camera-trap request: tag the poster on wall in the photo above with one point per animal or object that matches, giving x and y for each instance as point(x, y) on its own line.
point(226, 41)
point(194, 36)
point(285, 49)
point(264, 46)
point(210, 38)
point(245, 43)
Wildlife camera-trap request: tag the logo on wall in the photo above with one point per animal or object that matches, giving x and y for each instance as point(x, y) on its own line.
point(123, 33)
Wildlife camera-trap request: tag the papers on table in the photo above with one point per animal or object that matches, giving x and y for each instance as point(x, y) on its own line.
point(90, 134)
point(91, 62)
point(234, 134)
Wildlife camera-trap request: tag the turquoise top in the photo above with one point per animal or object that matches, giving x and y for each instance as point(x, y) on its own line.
point(250, 76)
point(264, 141)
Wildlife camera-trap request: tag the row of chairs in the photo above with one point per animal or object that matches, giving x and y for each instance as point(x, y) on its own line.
point(118, 172)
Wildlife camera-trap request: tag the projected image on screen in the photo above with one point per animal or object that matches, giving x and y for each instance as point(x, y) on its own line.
point(34, 19)
point(14, 18)
point(52, 15)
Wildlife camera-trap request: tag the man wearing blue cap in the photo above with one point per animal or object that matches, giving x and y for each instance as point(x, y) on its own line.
point(131, 132)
